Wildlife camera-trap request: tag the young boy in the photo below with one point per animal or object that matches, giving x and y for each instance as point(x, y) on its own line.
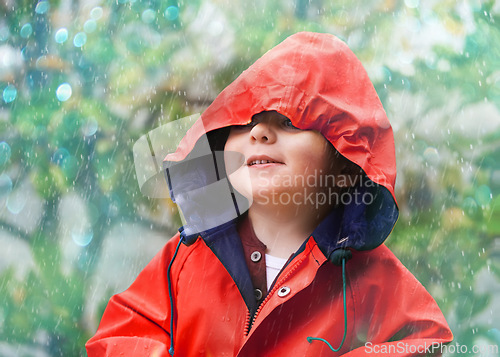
point(286, 258)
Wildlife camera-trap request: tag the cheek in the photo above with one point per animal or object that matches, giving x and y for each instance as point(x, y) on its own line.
point(316, 153)
point(233, 157)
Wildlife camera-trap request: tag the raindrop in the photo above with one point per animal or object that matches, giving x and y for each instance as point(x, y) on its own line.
point(82, 237)
point(16, 202)
point(5, 185)
point(63, 92)
point(96, 13)
point(5, 153)
point(61, 35)
point(90, 26)
point(80, 39)
point(42, 7)
point(26, 30)
point(9, 93)
point(90, 127)
point(172, 13)
point(148, 16)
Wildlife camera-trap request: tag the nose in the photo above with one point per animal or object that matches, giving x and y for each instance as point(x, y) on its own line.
point(263, 132)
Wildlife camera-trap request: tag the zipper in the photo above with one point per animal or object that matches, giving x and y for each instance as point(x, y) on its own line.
point(249, 320)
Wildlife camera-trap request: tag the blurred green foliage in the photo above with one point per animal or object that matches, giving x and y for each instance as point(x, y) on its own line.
point(134, 65)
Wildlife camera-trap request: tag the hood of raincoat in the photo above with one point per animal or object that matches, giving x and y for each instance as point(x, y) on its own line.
point(318, 83)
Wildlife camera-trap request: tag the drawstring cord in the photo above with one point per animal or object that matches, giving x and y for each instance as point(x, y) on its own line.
point(310, 339)
point(171, 349)
point(344, 257)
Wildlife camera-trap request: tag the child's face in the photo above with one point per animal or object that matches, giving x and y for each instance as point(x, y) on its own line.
point(282, 164)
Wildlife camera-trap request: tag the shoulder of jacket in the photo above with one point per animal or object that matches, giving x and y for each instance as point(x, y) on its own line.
point(381, 258)
point(378, 267)
point(169, 253)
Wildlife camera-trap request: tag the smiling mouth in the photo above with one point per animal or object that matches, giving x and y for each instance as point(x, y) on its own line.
point(260, 162)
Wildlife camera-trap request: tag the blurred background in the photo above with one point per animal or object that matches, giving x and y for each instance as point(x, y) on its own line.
point(81, 81)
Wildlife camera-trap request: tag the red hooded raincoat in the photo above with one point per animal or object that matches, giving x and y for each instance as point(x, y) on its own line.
point(209, 309)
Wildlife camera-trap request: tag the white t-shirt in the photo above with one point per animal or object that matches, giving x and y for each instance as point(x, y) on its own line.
point(273, 267)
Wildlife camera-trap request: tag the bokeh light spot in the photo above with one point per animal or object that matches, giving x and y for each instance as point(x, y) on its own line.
point(26, 30)
point(5, 185)
point(70, 167)
point(148, 16)
point(90, 26)
point(96, 13)
point(4, 33)
point(470, 207)
point(80, 39)
point(5, 153)
point(63, 92)
point(483, 195)
point(9, 93)
point(431, 155)
point(61, 35)
point(90, 127)
point(42, 7)
point(59, 155)
point(16, 202)
point(82, 237)
point(172, 13)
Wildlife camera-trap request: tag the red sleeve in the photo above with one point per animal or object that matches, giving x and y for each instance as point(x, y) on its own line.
point(137, 321)
point(395, 314)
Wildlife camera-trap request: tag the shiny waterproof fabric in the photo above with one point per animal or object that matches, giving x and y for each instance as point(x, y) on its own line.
point(317, 82)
